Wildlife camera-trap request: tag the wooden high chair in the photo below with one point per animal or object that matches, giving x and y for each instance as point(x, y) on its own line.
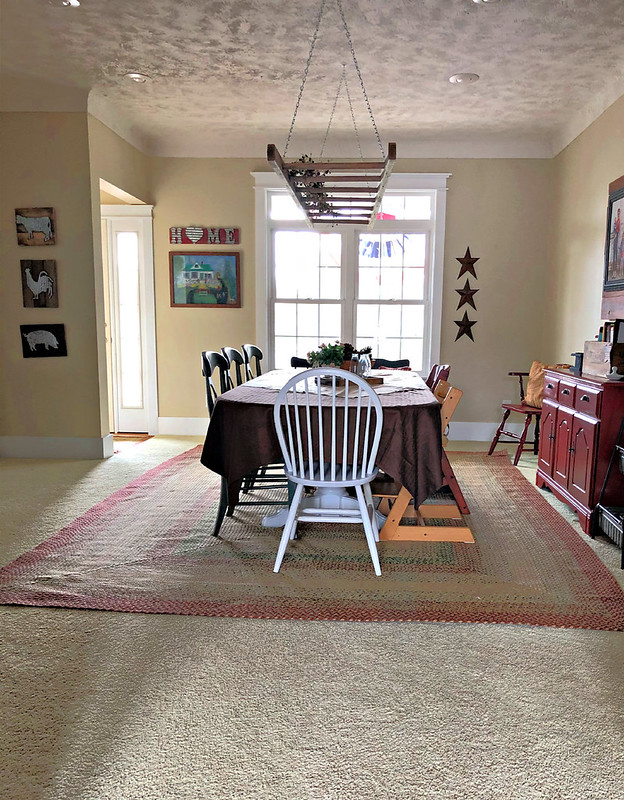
point(398, 504)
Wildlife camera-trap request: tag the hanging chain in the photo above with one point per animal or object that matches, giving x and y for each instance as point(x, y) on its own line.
point(357, 69)
point(343, 78)
point(333, 111)
point(355, 127)
point(305, 73)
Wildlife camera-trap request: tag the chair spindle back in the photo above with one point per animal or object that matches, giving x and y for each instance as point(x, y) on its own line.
point(234, 356)
point(331, 443)
point(252, 351)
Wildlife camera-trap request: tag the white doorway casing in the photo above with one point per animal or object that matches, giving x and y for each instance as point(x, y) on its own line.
point(141, 415)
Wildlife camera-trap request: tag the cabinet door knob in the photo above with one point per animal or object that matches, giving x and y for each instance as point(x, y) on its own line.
point(571, 449)
point(565, 391)
point(585, 398)
point(551, 436)
point(549, 386)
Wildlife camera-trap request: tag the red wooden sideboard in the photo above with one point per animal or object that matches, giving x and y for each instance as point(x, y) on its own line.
point(581, 418)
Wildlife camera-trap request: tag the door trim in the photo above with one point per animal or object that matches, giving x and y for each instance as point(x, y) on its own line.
point(148, 317)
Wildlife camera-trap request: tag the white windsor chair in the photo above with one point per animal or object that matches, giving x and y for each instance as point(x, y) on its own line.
point(329, 447)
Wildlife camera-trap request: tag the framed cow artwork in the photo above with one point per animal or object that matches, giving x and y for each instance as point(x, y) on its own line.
point(35, 226)
point(39, 287)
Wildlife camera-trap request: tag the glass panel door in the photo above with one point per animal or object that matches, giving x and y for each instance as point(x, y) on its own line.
point(132, 334)
point(129, 334)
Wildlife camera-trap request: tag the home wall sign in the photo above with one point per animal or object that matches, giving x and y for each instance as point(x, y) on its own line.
point(35, 226)
point(198, 235)
point(39, 288)
point(43, 341)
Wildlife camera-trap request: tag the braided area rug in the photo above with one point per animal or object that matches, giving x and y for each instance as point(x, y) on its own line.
point(148, 548)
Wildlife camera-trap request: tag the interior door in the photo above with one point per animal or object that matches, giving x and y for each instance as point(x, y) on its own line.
point(131, 321)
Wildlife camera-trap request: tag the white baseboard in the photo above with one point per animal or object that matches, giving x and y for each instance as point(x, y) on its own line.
point(459, 431)
point(183, 426)
point(479, 431)
point(56, 447)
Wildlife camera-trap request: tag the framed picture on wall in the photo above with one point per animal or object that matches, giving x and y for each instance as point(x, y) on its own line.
point(614, 246)
point(43, 341)
point(39, 289)
point(35, 226)
point(205, 280)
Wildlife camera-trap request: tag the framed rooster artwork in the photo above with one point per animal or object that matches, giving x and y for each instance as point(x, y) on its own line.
point(39, 286)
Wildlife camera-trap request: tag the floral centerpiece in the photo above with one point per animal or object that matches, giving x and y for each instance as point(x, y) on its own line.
point(327, 355)
point(350, 351)
point(338, 354)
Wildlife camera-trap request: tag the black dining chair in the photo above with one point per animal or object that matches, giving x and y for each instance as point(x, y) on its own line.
point(269, 477)
point(401, 363)
point(213, 363)
point(252, 352)
point(299, 362)
point(235, 357)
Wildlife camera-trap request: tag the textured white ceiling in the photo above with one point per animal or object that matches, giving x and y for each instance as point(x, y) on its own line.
point(225, 75)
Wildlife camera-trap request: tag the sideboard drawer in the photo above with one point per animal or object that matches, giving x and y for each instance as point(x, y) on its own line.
point(566, 393)
point(551, 387)
point(588, 401)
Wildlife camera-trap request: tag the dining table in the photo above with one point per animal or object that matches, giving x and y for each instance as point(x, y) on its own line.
point(241, 436)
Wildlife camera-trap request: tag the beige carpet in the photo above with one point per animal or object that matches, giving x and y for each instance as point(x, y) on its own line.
point(108, 706)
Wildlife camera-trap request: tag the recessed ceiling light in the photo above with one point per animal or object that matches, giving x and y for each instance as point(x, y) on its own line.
point(485, 1)
point(464, 77)
point(74, 3)
point(137, 77)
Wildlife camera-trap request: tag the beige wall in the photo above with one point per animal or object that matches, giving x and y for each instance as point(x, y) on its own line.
point(583, 173)
point(212, 193)
point(537, 227)
point(500, 209)
point(114, 160)
point(44, 161)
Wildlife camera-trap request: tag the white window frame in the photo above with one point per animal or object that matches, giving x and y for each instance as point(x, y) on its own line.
point(405, 182)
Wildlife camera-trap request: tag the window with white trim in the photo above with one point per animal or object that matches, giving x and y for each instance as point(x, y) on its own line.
point(379, 286)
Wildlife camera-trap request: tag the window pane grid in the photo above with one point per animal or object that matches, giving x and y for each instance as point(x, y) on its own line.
point(392, 266)
point(307, 265)
point(300, 327)
point(384, 293)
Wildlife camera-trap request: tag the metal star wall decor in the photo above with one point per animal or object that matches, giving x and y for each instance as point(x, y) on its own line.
point(466, 295)
point(467, 264)
point(465, 326)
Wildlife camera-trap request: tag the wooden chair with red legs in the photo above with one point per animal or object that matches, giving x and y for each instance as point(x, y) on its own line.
point(531, 413)
point(406, 522)
point(438, 372)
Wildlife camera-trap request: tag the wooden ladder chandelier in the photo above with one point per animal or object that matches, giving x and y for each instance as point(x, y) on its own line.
point(335, 192)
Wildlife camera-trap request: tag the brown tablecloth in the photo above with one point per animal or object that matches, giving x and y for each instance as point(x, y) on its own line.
point(241, 437)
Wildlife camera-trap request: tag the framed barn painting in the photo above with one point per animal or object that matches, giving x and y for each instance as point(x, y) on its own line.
point(35, 226)
point(614, 246)
point(43, 341)
point(39, 289)
point(205, 280)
